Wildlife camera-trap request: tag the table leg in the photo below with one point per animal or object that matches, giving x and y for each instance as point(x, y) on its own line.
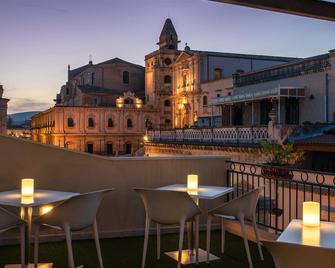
point(26, 214)
point(188, 255)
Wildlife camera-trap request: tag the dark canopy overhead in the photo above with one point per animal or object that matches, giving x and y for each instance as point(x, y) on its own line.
point(324, 10)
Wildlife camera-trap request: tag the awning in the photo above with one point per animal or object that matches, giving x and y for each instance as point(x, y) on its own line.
point(290, 92)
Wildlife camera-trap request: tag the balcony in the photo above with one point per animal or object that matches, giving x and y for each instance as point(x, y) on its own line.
point(210, 136)
point(121, 216)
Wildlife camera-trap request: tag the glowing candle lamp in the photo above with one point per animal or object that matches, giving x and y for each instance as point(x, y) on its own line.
point(311, 214)
point(192, 182)
point(27, 187)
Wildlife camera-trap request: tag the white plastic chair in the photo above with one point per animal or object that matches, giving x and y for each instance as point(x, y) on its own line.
point(74, 214)
point(169, 208)
point(287, 255)
point(9, 221)
point(240, 209)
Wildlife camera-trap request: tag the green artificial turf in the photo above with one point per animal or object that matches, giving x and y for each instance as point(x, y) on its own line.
point(127, 252)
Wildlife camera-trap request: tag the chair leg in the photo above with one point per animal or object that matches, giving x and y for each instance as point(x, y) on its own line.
point(197, 240)
point(158, 242)
point(97, 243)
point(36, 245)
point(223, 235)
point(189, 237)
point(69, 246)
point(257, 238)
point(146, 237)
point(244, 234)
point(181, 240)
point(22, 241)
point(208, 236)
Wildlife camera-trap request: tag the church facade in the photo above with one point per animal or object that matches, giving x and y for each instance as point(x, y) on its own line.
point(3, 112)
point(99, 110)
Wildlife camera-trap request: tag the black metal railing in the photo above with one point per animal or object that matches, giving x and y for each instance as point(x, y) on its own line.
point(284, 191)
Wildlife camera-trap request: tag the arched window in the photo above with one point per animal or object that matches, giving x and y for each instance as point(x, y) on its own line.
point(217, 73)
point(70, 122)
point(91, 122)
point(67, 91)
point(167, 103)
point(110, 122)
point(167, 79)
point(204, 100)
point(128, 101)
point(129, 123)
point(125, 77)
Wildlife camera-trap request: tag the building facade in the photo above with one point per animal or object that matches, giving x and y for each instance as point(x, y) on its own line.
point(101, 84)
point(178, 79)
point(100, 130)
point(99, 110)
point(3, 112)
point(295, 93)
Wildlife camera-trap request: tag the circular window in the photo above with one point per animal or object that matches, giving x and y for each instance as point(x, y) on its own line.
point(167, 61)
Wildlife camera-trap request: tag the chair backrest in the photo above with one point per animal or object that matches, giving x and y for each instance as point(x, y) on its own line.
point(245, 204)
point(287, 255)
point(8, 219)
point(167, 207)
point(78, 212)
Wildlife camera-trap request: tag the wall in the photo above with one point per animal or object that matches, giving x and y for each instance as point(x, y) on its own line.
point(121, 212)
point(312, 110)
point(230, 64)
point(241, 153)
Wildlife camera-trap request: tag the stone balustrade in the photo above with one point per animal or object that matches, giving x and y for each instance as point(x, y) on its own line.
point(231, 135)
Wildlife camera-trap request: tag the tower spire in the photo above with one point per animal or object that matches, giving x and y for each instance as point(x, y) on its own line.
point(168, 38)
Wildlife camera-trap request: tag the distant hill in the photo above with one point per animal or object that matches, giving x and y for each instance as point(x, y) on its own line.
point(20, 118)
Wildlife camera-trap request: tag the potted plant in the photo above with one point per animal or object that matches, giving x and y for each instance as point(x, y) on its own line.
point(279, 157)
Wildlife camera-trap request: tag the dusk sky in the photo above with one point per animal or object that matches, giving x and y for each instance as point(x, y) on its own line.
point(40, 37)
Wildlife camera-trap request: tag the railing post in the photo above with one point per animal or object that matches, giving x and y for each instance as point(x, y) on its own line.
point(276, 193)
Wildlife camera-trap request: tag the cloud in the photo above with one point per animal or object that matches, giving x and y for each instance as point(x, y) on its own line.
point(17, 105)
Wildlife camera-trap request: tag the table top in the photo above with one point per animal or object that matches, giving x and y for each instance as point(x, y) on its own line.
point(204, 191)
point(41, 197)
point(296, 233)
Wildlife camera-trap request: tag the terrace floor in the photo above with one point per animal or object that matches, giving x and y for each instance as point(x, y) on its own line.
point(127, 253)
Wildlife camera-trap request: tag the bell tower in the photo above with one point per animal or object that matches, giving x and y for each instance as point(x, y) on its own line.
point(159, 76)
